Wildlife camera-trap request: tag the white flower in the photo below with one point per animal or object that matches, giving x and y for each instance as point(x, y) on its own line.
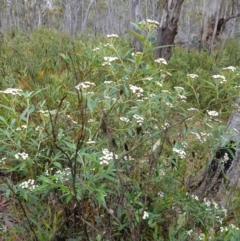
point(91, 142)
point(12, 91)
point(22, 155)
point(137, 54)
point(202, 236)
point(180, 152)
point(207, 202)
point(29, 184)
point(212, 112)
point(165, 126)
point(110, 59)
point(230, 68)
point(215, 205)
point(107, 82)
point(145, 215)
point(165, 91)
point(160, 61)
point(96, 49)
point(179, 88)
point(223, 229)
point(189, 232)
point(125, 119)
point(84, 85)
point(108, 45)
point(217, 76)
point(152, 22)
point(139, 119)
point(136, 90)
point(112, 36)
point(107, 157)
point(195, 197)
point(193, 76)
point(161, 194)
point(148, 78)
point(192, 109)
point(169, 104)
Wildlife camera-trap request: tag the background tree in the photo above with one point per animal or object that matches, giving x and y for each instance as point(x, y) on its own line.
point(168, 27)
point(215, 22)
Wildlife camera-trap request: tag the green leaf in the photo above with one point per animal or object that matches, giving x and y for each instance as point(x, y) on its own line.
point(181, 221)
point(136, 25)
point(136, 35)
point(57, 164)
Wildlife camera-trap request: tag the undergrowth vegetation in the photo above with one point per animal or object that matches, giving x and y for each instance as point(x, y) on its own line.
point(98, 141)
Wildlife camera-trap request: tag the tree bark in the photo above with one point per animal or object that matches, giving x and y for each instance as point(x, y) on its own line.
point(168, 26)
point(212, 22)
point(213, 182)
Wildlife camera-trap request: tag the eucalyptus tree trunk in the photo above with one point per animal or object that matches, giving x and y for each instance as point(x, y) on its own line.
point(220, 180)
point(218, 22)
point(212, 22)
point(168, 27)
point(86, 14)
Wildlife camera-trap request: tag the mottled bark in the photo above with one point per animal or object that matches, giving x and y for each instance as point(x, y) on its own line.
point(212, 22)
point(216, 183)
point(168, 27)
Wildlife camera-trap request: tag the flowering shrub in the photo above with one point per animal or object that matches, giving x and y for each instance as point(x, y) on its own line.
point(97, 141)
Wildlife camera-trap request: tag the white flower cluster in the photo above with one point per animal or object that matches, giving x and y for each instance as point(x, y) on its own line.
point(29, 184)
point(96, 49)
point(65, 174)
point(38, 128)
point(165, 91)
point(108, 45)
point(192, 109)
point(44, 112)
point(107, 157)
point(169, 104)
point(108, 82)
point(179, 89)
point(161, 194)
point(136, 90)
point(149, 23)
point(84, 85)
point(137, 54)
point(212, 113)
point(145, 215)
point(2, 161)
point(225, 158)
point(112, 36)
point(12, 91)
point(165, 126)
point(202, 136)
point(139, 119)
point(22, 155)
point(180, 152)
point(160, 61)
point(124, 119)
point(182, 97)
point(195, 197)
point(192, 76)
point(20, 128)
point(90, 141)
point(148, 78)
point(164, 74)
point(108, 60)
point(230, 68)
point(223, 79)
